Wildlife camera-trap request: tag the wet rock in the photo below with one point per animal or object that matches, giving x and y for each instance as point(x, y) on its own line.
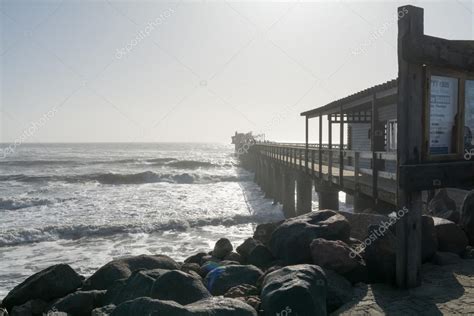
point(241, 291)
point(103, 311)
point(380, 255)
point(209, 258)
point(247, 246)
point(179, 287)
point(429, 241)
point(222, 248)
point(359, 222)
point(210, 265)
point(451, 238)
point(260, 257)
point(446, 258)
point(33, 307)
point(53, 282)
point(441, 205)
point(197, 258)
point(253, 300)
point(335, 255)
point(234, 256)
point(291, 240)
point(221, 279)
point(263, 232)
point(123, 268)
point(339, 290)
point(467, 216)
point(214, 306)
point(468, 253)
point(80, 303)
point(137, 285)
point(188, 267)
point(295, 290)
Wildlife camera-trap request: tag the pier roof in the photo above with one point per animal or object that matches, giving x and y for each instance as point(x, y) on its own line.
point(357, 100)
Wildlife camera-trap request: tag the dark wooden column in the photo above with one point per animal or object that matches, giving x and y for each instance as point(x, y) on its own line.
point(410, 141)
point(307, 142)
point(320, 154)
point(341, 147)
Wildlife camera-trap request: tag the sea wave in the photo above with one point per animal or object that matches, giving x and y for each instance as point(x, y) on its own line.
point(69, 232)
point(132, 178)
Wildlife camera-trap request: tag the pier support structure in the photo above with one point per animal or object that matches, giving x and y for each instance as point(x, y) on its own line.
point(304, 191)
point(288, 181)
point(328, 197)
point(362, 202)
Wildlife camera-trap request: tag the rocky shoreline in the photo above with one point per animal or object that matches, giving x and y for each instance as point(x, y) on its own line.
point(306, 265)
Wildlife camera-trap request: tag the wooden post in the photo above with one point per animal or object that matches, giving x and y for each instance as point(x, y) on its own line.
point(373, 127)
point(341, 148)
point(330, 149)
point(410, 141)
point(307, 143)
point(320, 155)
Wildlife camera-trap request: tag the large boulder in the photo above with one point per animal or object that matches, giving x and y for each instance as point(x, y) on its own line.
point(33, 307)
point(295, 290)
point(467, 216)
point(123, 268)
point(263, 232)
point(51, 283)
point(429, 240)
point(451, 238)
point(359, 222)
point(247, 246)
point(180, 287)
point(260, 257)
point(222, 248)
point(80, 303)
point(197, 258)
point(339, 291)
point(214, 306)
point(335, 255)
point(291, 240)
point(446, 258)
point(221, 279)
point(380, 255)
point(137, 285)
point(441, 205)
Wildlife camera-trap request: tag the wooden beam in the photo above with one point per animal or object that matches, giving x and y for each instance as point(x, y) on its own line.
point(306, 142)
point(410, 141)
point(320, 154)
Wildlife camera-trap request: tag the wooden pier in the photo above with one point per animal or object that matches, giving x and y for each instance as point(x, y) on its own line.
point(403, 137)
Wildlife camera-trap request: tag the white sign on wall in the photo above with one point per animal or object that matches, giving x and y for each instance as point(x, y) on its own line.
point(443, 110)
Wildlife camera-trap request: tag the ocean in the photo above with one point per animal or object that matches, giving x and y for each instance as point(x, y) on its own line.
point(87, 204)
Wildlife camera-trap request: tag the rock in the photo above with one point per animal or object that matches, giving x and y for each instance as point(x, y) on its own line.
point(290, 241)
point(295, 290)
point(260, 256)
point(180, 287)
point(380, 255)
point(234, 256)
point(214, 306)
point(339, 291)
point(467, 216)
point(221, 279)
point(263, 232)
point(429, 241)
point(247, 246)
point(359, 222)
point(241, 291)
point(80, 303)
point(188, 267)
point(103, 311)
point(209, 258)
point(33, 307)
point(197, 258)
point(222, 248)
point(441, 205)
point(335, 255)
point(53, 282)
point(468, 253)
point(137, 285)
point(445, 258)
point(123, 268)
point(210, 265)
point(451, 238)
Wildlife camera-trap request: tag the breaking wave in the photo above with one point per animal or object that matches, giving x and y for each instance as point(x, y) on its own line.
point(20, 203)
point(133, 178)
point(69, 232)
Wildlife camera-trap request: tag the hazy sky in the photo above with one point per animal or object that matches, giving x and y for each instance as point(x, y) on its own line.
point(98, 71)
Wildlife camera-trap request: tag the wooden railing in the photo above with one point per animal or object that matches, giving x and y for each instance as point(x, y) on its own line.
point(334, 164)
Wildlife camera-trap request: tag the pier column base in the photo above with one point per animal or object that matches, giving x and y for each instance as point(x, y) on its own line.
point(288, 194)
point(278, 185)
point(328, 197)
point(304, 190)
point(362, 202)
